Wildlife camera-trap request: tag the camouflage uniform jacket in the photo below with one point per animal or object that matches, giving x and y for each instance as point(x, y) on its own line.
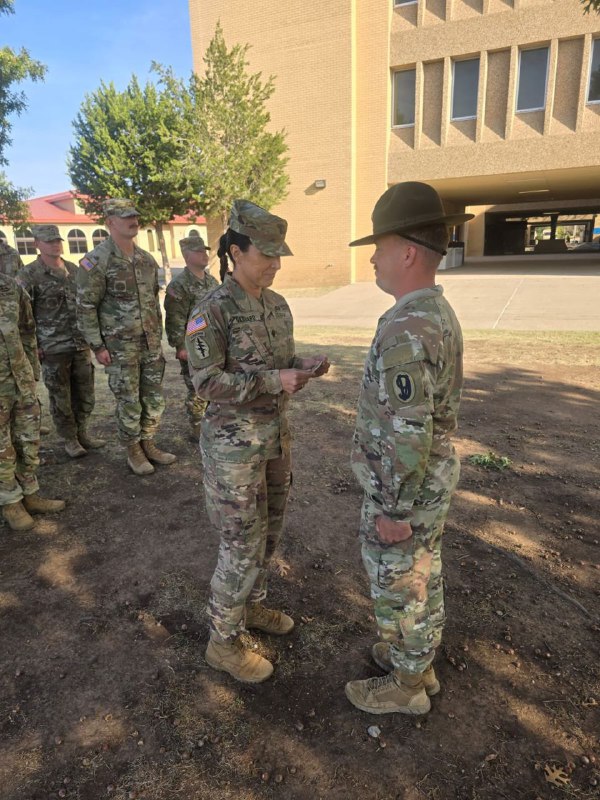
point(10, 260)
point(53, 298)
point(236, 346)
point(19, 365)
point(183, 294)
point(117, 298)
point(409, 399)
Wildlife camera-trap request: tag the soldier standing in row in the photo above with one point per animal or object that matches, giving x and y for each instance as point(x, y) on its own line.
point(19, 411)
point(10, 260)
point(183, 294)
point(242, 358)
point(119, 314)
point(403, 456)
point(66, 360)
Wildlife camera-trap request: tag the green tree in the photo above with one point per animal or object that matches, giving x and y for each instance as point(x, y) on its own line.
point(229, 153)
point(591, 5)
point(128, 144)
point(15, 67)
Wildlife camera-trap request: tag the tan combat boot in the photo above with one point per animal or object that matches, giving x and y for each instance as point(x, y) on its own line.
point(35, 504)
point(74, 449)
point(18, 519)
point(268, 620)
point(396, 693)
point(241, 664)
point(136, 458)
point(381, 656)
point(157, 456)
point(88, 441)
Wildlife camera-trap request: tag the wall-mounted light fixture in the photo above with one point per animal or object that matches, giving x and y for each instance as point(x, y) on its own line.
point(320, 183)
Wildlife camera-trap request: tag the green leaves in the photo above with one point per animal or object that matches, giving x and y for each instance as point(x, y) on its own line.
point(490, 461)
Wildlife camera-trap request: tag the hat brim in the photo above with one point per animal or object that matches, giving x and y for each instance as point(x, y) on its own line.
point(450, 219)
point(267, 250)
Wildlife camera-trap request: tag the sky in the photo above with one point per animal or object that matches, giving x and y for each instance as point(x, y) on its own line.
point(82, 43)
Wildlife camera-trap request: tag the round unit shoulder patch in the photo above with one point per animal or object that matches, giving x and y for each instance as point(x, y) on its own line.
point(404, 387)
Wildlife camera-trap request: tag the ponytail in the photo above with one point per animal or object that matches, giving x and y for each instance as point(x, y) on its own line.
point(229, 238)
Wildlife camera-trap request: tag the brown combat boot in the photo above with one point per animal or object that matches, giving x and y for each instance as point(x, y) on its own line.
point(88, 441)
point(136, 458)
point(157, 456)
point(241, 664)
point(18, 519)
point(74, 449)
point(268, 620)
point(42, 505)
point(396, 693)
point(381, 656)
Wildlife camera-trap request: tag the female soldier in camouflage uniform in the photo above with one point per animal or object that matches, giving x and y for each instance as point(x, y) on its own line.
point(241, 353)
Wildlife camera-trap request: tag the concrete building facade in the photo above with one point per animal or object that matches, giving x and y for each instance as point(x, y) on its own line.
point(494, 102)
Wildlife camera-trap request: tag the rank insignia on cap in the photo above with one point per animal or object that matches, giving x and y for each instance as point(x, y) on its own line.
point(404, 387)
point(87, 264)
point(196, 324)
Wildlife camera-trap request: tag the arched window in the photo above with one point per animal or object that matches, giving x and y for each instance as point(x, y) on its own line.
point(150, 240)
point(77, 241)
point(25, 245)
point(98, 236)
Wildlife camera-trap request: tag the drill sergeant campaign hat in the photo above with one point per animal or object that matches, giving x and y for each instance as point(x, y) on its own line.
point(265, 230)
point(46, 233)
point(193, 242)
point(119, 207)
point(408, 206)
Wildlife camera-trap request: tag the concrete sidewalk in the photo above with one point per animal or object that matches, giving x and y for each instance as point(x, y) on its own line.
point(515, 297)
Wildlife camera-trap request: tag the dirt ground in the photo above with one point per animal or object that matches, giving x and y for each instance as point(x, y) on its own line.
point(104, 692)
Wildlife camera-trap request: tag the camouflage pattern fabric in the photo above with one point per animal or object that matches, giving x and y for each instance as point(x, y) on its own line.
point(236, 346)
point(405, 462)
point(183, 293)
point(19, 407)
point(69, 378)
point(118, 308)
point(10, 260)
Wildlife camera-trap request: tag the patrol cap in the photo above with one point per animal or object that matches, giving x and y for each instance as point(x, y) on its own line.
point(46, 233)
point(119, 207)
point(193, 242)
point(265, 230)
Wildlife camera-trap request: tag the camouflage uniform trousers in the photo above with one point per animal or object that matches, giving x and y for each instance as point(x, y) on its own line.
point(406, 578)
point(246, 504)
point(195, 406)
point(69, 378)
point(135, 378)
point(19, 445)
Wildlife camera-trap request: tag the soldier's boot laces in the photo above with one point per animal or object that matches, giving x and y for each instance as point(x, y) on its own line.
point(157, 456)
point(88, 441)
point(137, 461)
point(381, 656)
point(268, 620)
point(17, 517)
point(242, 664)
point(396, 693)
point(35, 504)
point(74, 448)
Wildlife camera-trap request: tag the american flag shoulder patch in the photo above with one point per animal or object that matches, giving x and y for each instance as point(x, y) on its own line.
point(196, 324)
point(87, 263)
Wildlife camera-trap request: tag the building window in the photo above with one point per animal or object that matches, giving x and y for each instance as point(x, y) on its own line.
point(98, 236)
point(594, 87)
point(77, 241)
point(405, 2)
point(404, 97)
point(25, 245)
point(465, 83)
point(533, 70)
point(150, 239)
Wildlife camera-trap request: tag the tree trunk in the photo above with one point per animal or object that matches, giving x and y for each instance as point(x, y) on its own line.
point(163, 251)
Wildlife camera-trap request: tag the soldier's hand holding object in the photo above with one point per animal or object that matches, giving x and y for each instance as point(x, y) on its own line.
point(292, 380)
point(318, 365)
point(392, 532)
point(103, 357)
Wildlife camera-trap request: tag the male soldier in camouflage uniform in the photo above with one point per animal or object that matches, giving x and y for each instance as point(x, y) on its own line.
point(242, 358)
point(119, 315)
point(403, 456)
point(19, 411)
point(185, 292)
point(66, 362)
point(10, 260)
